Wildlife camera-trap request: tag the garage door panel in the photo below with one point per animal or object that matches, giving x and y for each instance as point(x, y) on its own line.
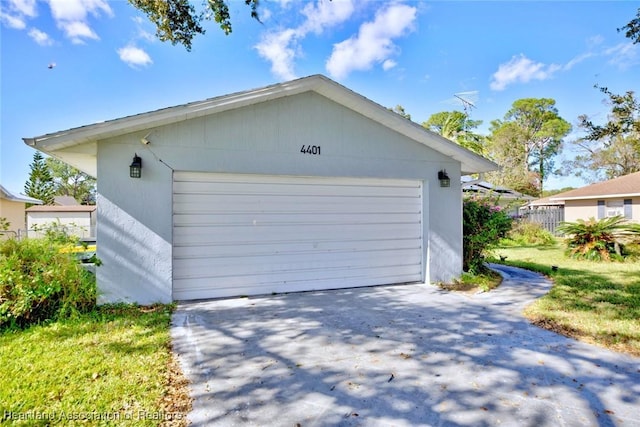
point(279, 218)
point(253, 234)
point(184, 181)
point(305, 280)
point(225, 265)
point(268, 189)
point(266, 248)
point(198, 289)
point(305, 233)
point(275, 204)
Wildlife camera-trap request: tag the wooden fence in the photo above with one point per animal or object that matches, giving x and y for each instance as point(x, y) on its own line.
point(549, 219)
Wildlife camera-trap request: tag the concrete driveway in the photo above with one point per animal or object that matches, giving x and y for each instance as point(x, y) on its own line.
point(405, 355)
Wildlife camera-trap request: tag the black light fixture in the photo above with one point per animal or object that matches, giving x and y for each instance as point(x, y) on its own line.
point(444, 178)
point(135, 169)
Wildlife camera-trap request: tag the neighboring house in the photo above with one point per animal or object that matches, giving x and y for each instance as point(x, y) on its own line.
point(302, 185)
point(76, 220)
point(500, 196)
point(65, 201)
point(12, 207)
point(619, 196)
point(543, 203)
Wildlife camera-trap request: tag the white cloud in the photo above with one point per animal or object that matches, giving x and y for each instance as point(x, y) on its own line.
point(623, 55)
point(277, 48)
point(373, 43)
point(40, 37)
point(71, 17)
point(13, 21)
point(521, 69)
point(578, 59)
point(15, 12)
point(389, 64)
point(325, 14)
point(143, 34)
point(24, 7)
point(281, 48)
point(78, 31)
point(134, 56)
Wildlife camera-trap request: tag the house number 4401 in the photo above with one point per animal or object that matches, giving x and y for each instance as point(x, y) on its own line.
point(310, 149)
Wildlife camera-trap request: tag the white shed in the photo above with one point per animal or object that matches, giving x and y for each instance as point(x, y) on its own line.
point(302, 185)
point(79, 220)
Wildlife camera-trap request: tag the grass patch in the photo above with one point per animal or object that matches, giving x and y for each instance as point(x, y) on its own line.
point(596, 302)
point(110, 366)
point(474, 283)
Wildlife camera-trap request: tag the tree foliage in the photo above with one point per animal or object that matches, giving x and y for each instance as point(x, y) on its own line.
point(399, 109)
point(483, 225)
point(632, 29)
point(612, 149)
point(40, 183)
point(458, 127)
point(69, 181)
point(178, 21)
point(526, 142)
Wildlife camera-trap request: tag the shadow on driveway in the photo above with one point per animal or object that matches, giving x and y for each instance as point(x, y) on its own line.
point(403, 355)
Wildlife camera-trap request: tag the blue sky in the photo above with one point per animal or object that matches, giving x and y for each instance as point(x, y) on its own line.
point(108, 64)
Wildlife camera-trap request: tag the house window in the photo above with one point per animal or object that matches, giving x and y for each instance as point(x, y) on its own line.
point(614, 208)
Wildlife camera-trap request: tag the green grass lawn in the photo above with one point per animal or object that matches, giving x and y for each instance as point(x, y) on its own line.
point(597, 302)
point(110, 367)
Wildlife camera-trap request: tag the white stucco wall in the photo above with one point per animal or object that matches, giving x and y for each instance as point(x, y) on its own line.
point(76, 223)
point(135, 215)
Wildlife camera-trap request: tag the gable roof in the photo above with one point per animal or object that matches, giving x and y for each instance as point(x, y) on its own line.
point(58, 208)
point(7, 195)
point(624, 186)
point(78, 146)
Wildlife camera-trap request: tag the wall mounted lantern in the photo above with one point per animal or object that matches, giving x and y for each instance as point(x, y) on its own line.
point(135, 169)
point(444, 178)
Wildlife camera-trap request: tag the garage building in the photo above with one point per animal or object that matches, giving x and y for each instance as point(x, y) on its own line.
point(302, 185)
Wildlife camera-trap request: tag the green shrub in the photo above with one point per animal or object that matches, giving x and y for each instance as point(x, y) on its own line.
point(529, 234)
point(598, 240)
point(39, 282)
point(483, 226)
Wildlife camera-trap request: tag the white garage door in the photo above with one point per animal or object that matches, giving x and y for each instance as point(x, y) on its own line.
point(255, 234)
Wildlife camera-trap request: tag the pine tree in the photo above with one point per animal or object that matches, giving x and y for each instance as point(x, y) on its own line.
point(40, 183)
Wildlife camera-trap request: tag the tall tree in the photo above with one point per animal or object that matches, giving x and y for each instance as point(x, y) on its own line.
point(40, 182)
point(69, 181)
point(526, 142)
point(400, 110)
point(178, 22)
point(613, 149)
point(632, 29)
point(458, 127)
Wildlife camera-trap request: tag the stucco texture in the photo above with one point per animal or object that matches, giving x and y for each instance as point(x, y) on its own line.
point(135, 215)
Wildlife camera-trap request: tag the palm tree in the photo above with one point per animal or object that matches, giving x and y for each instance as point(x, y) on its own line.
point(597, 239)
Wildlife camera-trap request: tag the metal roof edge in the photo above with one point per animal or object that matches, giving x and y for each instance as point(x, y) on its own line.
point(8, 195)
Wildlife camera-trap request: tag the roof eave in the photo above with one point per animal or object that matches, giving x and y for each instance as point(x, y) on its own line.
point(597, 196)
point(470, 162)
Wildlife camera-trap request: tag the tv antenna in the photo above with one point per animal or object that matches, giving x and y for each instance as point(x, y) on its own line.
point(467, 104)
